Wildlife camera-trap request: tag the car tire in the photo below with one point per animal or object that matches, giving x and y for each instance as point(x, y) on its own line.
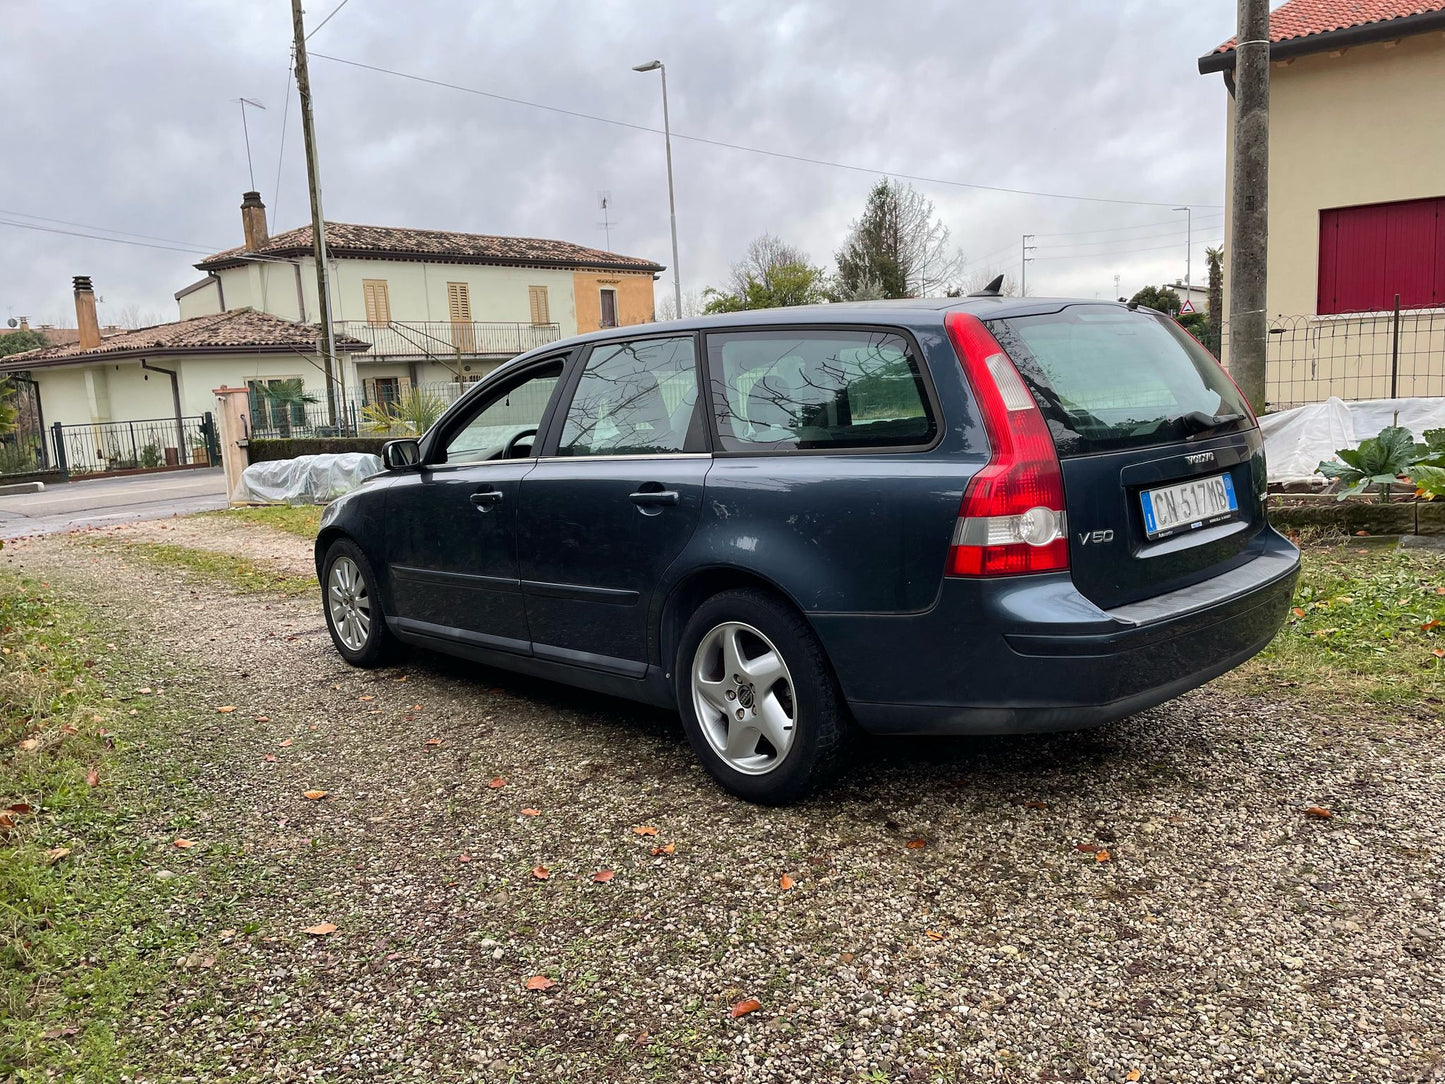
point(736, 703)
point(352, 605)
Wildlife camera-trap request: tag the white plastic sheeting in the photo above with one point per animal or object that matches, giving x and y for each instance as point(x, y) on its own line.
point(307, 479)
point(1295, 441)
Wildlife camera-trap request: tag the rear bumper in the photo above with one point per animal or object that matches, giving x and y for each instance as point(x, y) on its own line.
point(1032, 654)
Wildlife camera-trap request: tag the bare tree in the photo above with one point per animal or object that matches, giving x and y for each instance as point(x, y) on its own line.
point(899, 242)
point(975, 281)
point(132, 316)
point(692, 305)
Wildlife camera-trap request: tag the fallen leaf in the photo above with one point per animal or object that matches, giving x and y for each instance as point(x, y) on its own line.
point(934, 935)
point(432, 741)
point(366, 698)
point(270, 758)
point(529, 812)
point(226, 710)
point(314, 795)
point(602, 876)
point(1362, 534)
point(644, 830)
point(785, 882)
point(742, 1008)
point(1440, 590)
point(20, 807)
point(1086, 848)
point(402, 678)
point(92, 778)
point(669, 848)
point(1297, 612)
point(1318, 811)
point(61, 1033)
point(285, 743)
point(540, 872)
point(540, 982)
point(1132, 1075)
point(1103, 856)
point(916, 844)
point(224, 934)
point(321, 929)
point(1439, 652)
point(1431, 624)
point(7, 823)
point(55, 854)
point(497, 782)
point(1036, 804)
point(464, 858)
point(263, 718)
point(846, 957)
point(30, 744)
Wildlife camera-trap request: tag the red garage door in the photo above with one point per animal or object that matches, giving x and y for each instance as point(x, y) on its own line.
point(1369, 254)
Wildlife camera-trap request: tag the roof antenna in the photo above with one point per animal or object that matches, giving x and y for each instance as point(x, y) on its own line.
point(993, 289)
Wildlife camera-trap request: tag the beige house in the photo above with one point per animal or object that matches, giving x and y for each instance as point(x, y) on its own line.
point(437, 307)
point(1356, 196)
point(137, 399)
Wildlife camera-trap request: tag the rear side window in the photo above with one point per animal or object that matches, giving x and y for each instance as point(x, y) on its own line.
point(783, 390)
point(1107, 378)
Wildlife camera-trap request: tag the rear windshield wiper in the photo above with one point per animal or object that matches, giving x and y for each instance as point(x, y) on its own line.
point(1201, 422)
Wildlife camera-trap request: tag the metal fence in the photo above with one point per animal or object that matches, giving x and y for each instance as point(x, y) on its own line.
point(442, 338)
point(147, 444)
point(1366, 356)
point(24, 450)
point(355, 415)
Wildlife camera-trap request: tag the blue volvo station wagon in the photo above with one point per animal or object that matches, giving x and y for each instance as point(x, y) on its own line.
point(978, 515)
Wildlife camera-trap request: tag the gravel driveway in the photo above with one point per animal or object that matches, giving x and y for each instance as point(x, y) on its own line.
point(1146, 901)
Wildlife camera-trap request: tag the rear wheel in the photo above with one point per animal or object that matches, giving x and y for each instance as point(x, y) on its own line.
point(758, 698)
point(353, 606)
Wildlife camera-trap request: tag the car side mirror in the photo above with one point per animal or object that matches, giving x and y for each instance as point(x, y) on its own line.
point(401, 455)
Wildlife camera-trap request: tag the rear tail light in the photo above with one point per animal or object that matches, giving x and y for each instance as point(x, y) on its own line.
point(1012, 518)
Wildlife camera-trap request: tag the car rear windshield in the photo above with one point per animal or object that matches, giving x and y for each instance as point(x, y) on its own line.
point(1107, 378)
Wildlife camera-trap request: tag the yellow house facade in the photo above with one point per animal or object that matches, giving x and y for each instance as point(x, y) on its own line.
point(1356, 199)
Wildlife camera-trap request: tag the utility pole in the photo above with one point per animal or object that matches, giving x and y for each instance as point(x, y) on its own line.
point(318, 225)
point(1024, 249)
point(1188, 247)
point(1116, 285)
point(1249, 199)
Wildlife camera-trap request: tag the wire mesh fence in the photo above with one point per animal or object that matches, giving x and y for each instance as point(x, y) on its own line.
point(1366, 356)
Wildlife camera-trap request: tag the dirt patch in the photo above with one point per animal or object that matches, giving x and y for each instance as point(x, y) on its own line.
point(280, 551)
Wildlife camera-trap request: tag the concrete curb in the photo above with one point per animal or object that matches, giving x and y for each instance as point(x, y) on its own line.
point(22, 487)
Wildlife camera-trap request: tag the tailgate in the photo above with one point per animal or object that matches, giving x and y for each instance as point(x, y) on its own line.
point(1163, 464)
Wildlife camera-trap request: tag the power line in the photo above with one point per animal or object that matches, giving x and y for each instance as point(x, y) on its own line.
point(1120, 252)
point(1180, 234)
point(1122, 229)
point(188, 247)
point(749, 150)
point(281, 153)
point(317, 28)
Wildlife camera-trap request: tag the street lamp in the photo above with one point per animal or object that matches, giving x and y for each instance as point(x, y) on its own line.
point(1188, 245)
point(657, 65)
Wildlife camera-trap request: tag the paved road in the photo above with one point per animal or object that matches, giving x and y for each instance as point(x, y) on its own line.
point(111, 500)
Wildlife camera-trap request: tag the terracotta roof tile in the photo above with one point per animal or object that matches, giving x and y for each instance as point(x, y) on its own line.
point(237, 329)
point(343, 239)
point(1305, 18)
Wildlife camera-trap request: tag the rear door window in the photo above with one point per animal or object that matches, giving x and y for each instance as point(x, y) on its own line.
point(805, 390)
point(635, 398)
point(1108, 378)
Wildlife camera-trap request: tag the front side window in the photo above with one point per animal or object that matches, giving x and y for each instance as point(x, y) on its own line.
point(502, 425)
point(635, 398)
point(817, 390)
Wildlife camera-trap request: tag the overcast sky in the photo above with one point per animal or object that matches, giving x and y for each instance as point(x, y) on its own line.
point(122, 116)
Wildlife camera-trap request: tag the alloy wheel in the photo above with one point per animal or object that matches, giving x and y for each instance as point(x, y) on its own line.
point(349, 603)
point(743, 695)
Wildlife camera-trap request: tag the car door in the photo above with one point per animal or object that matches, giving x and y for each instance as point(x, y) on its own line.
point(613, 503)
point(451, 531)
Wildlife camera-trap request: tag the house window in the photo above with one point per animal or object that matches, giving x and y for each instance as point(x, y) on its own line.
point(378, 303)
point(609, 307)
point(382, 390)
point(1371, 253)
point(537, 296)
point(459, 310)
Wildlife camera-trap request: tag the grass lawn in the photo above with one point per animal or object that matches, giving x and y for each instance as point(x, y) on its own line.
point(1368, 625)
point(87, 922)
point(302, 520)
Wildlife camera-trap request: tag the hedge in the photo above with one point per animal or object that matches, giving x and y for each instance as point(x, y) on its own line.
point(264, 451)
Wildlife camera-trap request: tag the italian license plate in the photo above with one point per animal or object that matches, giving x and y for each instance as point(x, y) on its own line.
point(1188, 505)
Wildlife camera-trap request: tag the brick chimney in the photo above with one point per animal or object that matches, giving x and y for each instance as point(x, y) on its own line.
point(253, 220)
point(85, 318)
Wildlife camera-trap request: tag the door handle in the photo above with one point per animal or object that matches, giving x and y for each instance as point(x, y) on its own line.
point(486, 498)
point(653, 497)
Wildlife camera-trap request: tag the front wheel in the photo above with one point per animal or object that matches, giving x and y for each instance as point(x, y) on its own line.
point(758, 698)
point(353, 606)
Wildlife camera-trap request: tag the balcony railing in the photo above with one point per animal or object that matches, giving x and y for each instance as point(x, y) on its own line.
point(444, 339)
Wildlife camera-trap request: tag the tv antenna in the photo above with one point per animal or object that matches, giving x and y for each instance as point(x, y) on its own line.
point(244, 132)
point(604, 204)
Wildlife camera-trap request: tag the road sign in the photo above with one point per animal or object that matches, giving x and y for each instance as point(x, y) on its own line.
point(1186, 306)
